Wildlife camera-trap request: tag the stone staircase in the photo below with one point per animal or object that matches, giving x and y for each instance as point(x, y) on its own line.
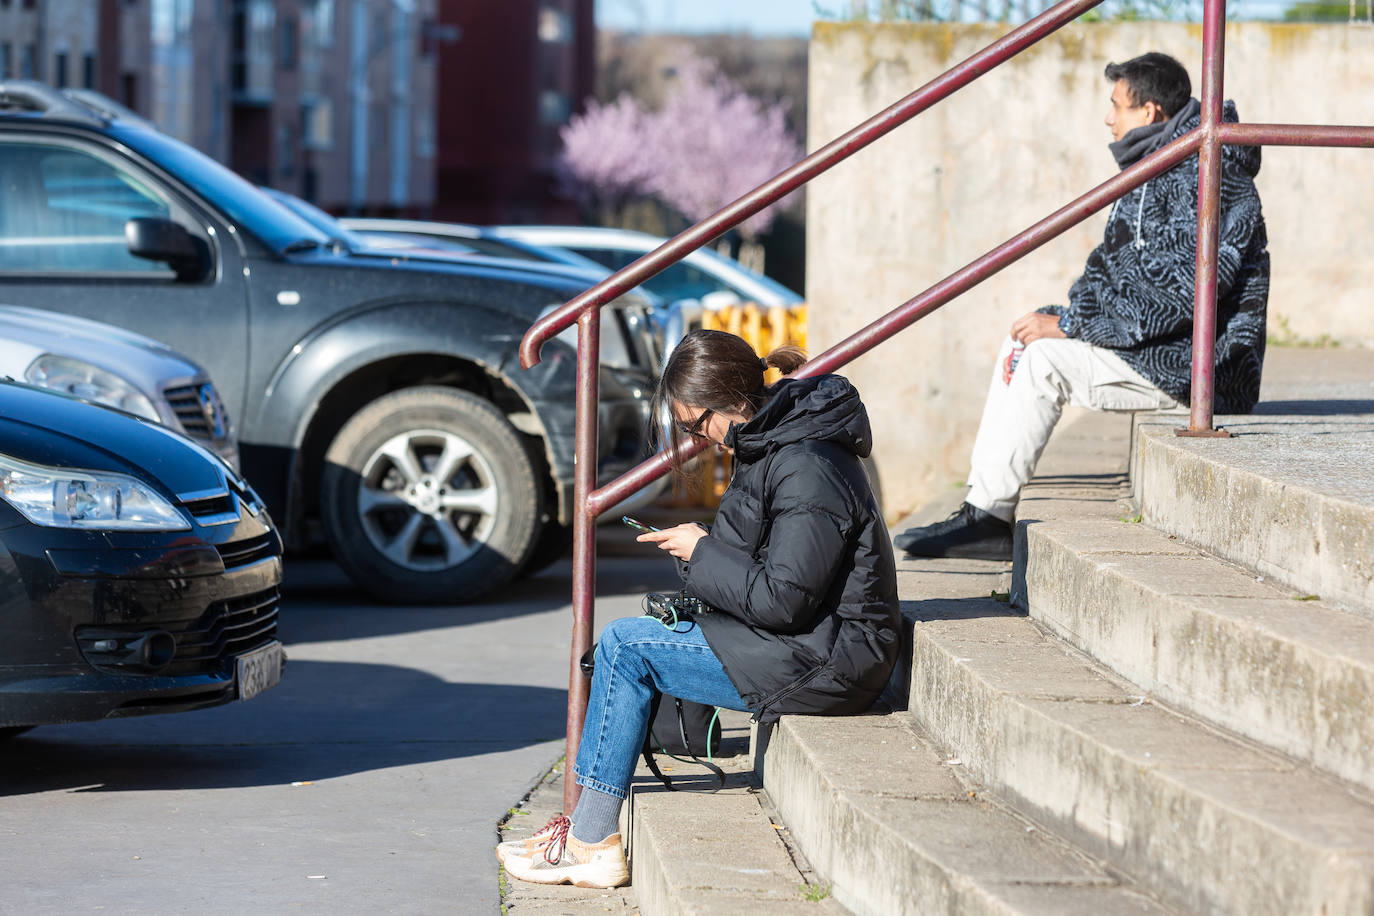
point(1166, 705)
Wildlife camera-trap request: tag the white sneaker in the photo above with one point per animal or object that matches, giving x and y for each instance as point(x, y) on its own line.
point(557, 825)
point(567, 860)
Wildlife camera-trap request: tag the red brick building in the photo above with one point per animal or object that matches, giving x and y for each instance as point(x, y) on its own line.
point(510, 76)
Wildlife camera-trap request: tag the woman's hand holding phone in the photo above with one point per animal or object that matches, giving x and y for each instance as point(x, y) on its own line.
point(679, 540)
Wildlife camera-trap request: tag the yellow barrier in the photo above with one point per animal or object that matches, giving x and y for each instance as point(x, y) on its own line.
point(766, 329)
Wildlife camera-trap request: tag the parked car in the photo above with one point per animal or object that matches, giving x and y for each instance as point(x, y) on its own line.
point(138, 573)
point(379, 399)
point(422, 249)
point(699, 274)
point(117, 368)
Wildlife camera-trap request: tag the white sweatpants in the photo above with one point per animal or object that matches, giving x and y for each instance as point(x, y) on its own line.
point(1019, 417)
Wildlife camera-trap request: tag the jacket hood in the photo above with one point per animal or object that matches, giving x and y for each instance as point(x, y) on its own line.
point(824, 408)
point(1142, 141)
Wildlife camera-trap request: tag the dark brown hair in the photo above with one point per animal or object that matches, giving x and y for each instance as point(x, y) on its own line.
point(1154, 77)
point(713, 370)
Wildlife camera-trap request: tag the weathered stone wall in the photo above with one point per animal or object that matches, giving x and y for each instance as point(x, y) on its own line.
point(1016, 145)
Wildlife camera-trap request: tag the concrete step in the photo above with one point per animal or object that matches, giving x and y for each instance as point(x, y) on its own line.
point(704, 853)
point(702, 850)
point(1210, 638)
point(1289, 497)
point(1207, 821)
point(898, 828)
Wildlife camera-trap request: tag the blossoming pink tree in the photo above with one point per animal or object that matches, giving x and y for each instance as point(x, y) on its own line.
point(714, 142)
point(604, 154)
point(709, 144)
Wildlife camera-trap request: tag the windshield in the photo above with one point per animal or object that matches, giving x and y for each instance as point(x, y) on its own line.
point(246, 206)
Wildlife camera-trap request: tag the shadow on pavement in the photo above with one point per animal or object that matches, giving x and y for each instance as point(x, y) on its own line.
point(325, 720)
point(320, 603)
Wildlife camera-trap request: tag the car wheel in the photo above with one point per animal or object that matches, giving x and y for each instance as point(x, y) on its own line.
point(430, 496)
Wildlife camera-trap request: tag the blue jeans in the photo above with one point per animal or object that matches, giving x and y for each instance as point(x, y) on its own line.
point(635, 657)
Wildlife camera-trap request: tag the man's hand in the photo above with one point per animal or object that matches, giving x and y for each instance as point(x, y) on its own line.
point(1035, 325)
point(679, 540)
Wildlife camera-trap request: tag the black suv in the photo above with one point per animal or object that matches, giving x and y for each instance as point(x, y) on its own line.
point(378, 396)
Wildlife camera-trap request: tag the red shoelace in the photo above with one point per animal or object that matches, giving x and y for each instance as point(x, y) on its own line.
point(557, 838)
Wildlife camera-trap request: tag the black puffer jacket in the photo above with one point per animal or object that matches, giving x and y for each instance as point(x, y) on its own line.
point(1136, 294)
point(799, 563)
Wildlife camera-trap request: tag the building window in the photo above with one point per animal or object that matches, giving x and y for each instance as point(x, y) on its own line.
point(553, 107)
point(60, 69)
point(554, 26)
point(6, 61)
point(289, 43)
point(253, 33)
point(129, 90)
point(172, 100)
point(28, 63)
point(323, 25)
point(317, 124)
point(286, 151)
point(424, 134)
point(88, 71)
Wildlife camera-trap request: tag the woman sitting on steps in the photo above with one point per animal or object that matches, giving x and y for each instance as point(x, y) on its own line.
point(797, 571)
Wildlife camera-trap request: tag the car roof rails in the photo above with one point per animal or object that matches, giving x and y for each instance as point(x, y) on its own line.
point(106, 106)
point(31, 95)
point(83, 106)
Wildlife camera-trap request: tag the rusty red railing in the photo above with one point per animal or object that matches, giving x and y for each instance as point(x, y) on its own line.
point(584, 310)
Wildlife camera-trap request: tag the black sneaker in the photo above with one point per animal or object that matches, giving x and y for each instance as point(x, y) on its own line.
point(970, 534)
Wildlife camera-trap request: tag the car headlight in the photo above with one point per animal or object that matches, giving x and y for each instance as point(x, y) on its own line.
point(62, 373)
point(99, 500)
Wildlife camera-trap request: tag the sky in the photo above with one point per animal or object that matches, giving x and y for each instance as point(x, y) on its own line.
point(757, 17)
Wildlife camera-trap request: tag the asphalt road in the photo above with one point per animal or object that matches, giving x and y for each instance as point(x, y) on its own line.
point(369, 781)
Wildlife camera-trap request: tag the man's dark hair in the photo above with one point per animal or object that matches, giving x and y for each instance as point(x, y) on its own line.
point(1154, 77)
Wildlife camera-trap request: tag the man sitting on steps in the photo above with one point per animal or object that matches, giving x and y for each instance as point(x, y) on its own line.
point(1125, 340)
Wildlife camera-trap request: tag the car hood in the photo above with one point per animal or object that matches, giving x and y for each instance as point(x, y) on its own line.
point(527, 288)
point(55, 430)
point(145, 362)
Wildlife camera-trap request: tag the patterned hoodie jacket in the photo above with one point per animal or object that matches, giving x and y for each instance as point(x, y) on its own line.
point(1135, 296)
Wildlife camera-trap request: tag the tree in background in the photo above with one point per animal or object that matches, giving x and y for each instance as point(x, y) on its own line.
point(605, 163)
point(709, 143)
point(715, 142)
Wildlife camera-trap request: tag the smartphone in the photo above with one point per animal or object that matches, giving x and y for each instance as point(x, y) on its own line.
point(637, 524)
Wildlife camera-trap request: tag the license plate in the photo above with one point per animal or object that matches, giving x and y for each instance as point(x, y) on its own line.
point(260, 669)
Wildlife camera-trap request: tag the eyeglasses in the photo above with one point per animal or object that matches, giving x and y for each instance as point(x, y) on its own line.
point(693, 430)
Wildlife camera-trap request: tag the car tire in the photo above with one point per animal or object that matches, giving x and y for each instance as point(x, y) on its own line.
point(430, 496)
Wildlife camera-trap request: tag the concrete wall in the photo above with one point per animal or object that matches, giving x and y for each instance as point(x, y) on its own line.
point(1016, 145)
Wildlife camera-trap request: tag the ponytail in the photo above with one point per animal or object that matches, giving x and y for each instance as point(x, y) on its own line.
point(785, 359)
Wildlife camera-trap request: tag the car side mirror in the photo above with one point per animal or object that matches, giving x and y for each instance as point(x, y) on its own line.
point(158, 239)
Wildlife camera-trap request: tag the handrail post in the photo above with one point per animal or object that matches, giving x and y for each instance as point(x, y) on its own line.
point(584, 540)
point(1208, 223)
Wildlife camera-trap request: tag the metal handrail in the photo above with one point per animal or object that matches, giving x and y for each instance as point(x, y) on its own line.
point(792, 178)
point(1206, 141)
